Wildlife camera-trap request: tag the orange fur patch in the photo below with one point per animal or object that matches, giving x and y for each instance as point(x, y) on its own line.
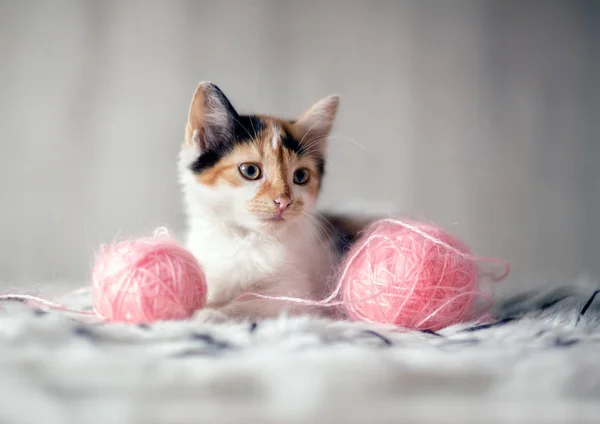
point(223, 172)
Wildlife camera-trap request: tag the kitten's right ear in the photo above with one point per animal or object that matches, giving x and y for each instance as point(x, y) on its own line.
point(210, 119)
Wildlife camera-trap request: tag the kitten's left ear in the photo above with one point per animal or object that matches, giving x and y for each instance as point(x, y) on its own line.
point(211, 118)
point(315, 125)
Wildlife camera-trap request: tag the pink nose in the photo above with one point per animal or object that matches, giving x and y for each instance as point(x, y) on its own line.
point(282, 203)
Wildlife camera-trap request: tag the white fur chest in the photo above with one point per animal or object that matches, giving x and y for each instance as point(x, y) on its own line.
point(236, 262)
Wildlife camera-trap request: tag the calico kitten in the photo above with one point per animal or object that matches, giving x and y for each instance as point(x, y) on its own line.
point(250, 185)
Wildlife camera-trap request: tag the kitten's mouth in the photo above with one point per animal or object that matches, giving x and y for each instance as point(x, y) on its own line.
point(273, 219)
point(277, 218)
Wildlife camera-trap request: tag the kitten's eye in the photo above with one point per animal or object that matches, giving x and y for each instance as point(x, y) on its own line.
point(250, 171)
point(301, 176)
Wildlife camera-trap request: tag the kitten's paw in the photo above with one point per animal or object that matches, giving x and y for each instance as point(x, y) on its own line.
point(209, 316)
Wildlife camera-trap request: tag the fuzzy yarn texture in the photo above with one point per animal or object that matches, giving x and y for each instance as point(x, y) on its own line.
point(537, 362)
point(147, 279)
point(410, 274)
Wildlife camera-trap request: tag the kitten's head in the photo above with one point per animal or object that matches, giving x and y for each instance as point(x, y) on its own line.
point(257, 172)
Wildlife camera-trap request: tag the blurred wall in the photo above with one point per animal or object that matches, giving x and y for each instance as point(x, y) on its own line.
point(482, 116)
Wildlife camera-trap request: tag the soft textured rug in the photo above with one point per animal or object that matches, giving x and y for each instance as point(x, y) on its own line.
point(539, 362)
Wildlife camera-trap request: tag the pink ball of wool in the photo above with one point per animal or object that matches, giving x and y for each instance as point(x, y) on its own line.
point(409, 274)
point(147, 279)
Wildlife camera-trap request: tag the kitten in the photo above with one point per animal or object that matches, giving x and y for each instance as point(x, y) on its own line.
point(250, 185)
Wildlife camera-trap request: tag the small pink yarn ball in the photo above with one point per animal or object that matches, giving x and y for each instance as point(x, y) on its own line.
point(409, 274)
point(147, 279)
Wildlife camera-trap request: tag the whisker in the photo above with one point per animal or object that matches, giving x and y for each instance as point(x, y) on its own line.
point(252, 125)
point(319, 224)
point(324, 235)
point(324, 220)
point(343, 137)
point(252, 139)
point(311, 146)
point(314, 142)
point(318, 121)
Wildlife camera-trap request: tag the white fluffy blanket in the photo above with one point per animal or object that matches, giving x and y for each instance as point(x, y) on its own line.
point(538, 363)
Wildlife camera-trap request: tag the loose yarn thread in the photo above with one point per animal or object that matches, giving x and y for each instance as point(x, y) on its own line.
point(140, 280)
point(409, 274)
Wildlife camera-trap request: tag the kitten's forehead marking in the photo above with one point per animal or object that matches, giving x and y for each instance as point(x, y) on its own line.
point(276, 137)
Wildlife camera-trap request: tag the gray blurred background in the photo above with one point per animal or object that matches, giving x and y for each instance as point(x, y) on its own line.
point(481, 116)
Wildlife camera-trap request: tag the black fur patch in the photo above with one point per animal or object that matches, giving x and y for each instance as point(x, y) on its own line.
point(321, 167)
point(222, 98)
point(292, 144)
point(245, 129)
point(342, 242)
point(341, 237)
point(207, 160)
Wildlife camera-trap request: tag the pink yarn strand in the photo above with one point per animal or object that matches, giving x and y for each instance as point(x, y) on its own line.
point(410, 278)
point(43, 303)
point(329, 301)
point(452, 248)
point(374, 294)
point(140, 280)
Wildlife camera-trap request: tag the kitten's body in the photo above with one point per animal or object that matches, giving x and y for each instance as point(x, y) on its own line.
point(260, 235)
point(298, 263)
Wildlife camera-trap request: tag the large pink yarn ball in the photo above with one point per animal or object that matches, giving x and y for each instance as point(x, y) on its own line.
point(409, 274)
point(147, 279)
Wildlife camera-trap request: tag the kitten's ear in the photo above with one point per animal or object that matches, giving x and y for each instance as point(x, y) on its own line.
point(210, 119)
point(316, 123)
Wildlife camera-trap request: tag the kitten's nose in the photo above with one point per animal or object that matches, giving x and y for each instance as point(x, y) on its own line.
point(282, 203)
